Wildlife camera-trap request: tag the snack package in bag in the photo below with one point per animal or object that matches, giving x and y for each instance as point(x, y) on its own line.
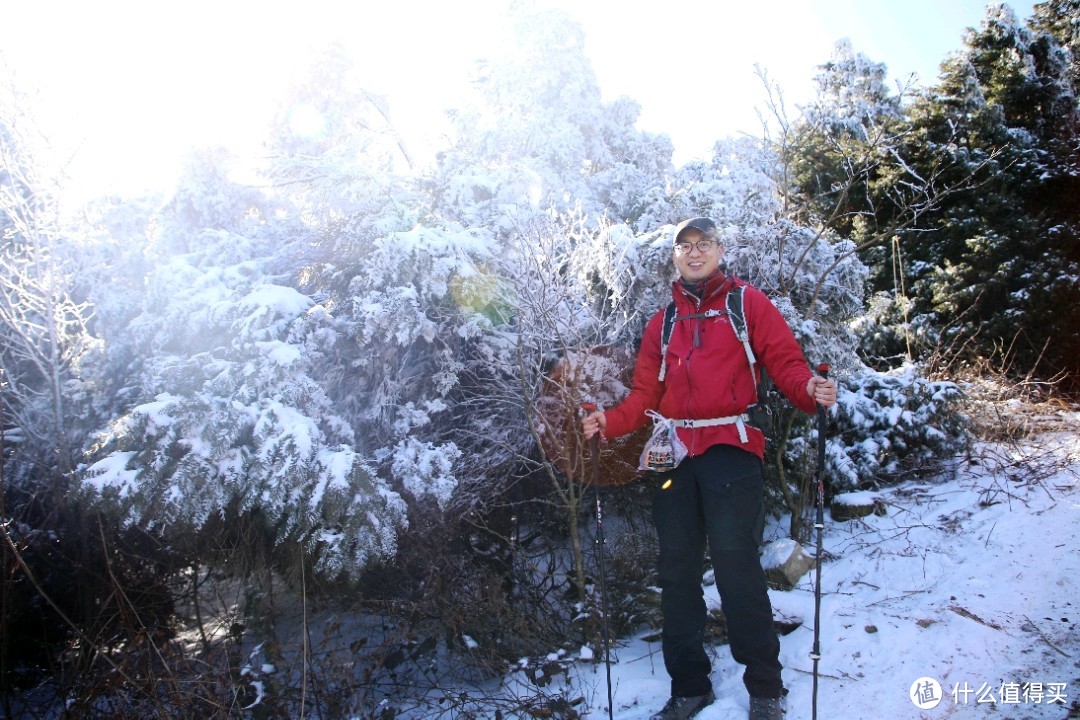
point(664, 450)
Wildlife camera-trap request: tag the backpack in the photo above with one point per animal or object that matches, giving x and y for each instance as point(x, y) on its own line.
point(759, 412)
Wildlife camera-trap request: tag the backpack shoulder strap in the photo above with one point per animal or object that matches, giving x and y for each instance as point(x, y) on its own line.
point(737, 316)
point(665, 337)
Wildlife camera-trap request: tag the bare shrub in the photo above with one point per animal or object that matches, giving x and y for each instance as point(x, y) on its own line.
point(1003, 409)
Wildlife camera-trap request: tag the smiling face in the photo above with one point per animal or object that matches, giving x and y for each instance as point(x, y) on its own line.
point(693, 263)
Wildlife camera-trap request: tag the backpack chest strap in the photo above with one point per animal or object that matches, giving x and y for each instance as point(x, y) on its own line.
point(733, 308)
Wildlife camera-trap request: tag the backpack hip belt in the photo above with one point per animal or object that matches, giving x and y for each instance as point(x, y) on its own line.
point(739, 421)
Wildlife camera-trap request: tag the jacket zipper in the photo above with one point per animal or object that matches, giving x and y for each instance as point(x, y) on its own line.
point(697, 343)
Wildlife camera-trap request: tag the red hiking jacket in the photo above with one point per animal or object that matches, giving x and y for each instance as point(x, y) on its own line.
point(711, 378)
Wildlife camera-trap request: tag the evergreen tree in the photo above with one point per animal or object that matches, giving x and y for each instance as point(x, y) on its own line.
point(333, 148)
point(1057, 22)
point(840, 151)
point(982, 270)
point(849, 173)
point(225, 416)
point(1061, 20)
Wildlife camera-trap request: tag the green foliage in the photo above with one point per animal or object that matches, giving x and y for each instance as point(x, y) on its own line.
point(1001, 243)
point(893, 426)
point(840, 149)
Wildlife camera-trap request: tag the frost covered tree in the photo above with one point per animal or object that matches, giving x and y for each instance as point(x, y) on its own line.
point(43, 326)
point(51, 574)
point(1058, 18)
point(223, 418)
point(839, 150)
point(536, 136)
point(979, 271)
point(850, 167)
point(333, 147)
point(418, 309)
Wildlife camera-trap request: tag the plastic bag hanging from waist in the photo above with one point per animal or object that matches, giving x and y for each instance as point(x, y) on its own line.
point(664, 450)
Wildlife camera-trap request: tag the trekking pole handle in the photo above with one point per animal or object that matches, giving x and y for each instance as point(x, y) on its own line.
point(594, 441)
point(823, 371)
point(822, 423)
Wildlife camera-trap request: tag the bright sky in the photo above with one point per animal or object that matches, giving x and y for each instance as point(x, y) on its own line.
point(125, 87)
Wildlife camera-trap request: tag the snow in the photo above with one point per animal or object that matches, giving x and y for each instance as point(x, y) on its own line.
point(855, 499)
point(279, 426)
point(156, 412)
point(280, 353)
point(426, 469)
point(971, 583)
point(260, 693)
point(777, 553)
point(112, 470)
point(336, 466)
point(276, 300)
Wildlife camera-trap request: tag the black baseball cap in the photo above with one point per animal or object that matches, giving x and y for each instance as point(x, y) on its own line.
point(703, 224)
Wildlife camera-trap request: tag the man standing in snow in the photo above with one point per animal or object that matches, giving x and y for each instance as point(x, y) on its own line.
point(704, 382)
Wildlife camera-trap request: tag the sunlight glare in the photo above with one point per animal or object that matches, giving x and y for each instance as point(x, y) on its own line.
point(306, 121)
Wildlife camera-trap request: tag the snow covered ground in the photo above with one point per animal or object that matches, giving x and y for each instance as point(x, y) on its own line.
point(971, 584)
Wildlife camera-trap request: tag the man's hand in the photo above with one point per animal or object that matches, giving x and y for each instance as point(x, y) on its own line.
point(594, 422)
point(823, 390)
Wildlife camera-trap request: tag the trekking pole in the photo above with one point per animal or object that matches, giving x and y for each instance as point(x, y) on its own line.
point(819, 523)
point(594, 449)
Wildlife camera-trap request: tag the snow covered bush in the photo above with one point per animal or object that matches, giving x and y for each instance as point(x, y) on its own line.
point(420, 314)
point(891, 426)
point(225, 417)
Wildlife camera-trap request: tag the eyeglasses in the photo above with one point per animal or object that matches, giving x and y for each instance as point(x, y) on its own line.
point(703, 246)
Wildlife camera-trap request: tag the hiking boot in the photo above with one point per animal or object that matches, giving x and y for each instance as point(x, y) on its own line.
point(766, 709)
point(681, 708)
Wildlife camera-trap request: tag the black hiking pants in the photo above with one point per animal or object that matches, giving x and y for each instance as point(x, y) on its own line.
point(715, 497)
